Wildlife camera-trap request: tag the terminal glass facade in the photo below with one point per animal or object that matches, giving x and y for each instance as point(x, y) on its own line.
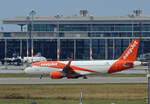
point(91, 27)
point(79, 49)
point(97, 30)
point(67, 48)
point(80, 40)
point(98, 47)
point(47, 48)
point(83, 49)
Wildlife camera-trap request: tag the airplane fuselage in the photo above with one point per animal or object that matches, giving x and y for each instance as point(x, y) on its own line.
point(81, 67)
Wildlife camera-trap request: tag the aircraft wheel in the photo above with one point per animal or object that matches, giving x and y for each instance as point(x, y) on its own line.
point(41, 76)
point(84, 77)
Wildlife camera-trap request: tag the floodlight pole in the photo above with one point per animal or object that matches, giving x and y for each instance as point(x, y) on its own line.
point(29, 34)
point(31, 14)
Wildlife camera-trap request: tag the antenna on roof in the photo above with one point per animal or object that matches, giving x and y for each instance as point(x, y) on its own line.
point(83, 13)
point(137, 12)
point(58, 15)
point(91, 17)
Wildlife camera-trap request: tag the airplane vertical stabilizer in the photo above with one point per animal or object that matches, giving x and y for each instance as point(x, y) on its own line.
point(131, 52)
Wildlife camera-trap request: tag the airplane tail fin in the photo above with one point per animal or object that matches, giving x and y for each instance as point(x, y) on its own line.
point(127, 58)
point(131, 52)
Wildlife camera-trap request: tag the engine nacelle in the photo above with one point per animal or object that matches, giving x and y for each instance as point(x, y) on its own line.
point(56, 75)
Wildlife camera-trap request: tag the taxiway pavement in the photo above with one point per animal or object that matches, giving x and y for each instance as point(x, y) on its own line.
point(90, 80)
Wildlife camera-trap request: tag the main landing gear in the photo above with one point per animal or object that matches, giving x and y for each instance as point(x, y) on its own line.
point(41, 76)
point(84, 77)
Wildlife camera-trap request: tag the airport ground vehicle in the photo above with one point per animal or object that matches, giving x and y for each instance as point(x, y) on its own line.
point(19, 61)
point(12, 61)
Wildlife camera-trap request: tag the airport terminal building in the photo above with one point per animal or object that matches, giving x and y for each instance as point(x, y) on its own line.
point(82, 36)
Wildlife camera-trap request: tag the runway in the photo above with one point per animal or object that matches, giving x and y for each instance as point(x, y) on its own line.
point(129, 71)
point(90, 80)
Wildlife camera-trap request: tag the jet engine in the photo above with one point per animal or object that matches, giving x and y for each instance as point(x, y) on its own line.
point(56, 75)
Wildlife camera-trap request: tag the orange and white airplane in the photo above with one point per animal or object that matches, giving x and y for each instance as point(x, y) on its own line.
point(76, 69)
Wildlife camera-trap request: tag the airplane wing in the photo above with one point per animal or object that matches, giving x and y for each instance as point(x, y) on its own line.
point(69, 72)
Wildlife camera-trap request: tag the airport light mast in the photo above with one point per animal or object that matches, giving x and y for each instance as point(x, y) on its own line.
point(31, 15)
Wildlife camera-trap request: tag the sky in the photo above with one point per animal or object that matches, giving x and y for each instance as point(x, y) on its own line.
point(21, 8)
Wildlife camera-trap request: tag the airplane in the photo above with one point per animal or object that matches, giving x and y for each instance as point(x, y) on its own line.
point(76, 69)
point(32, 59)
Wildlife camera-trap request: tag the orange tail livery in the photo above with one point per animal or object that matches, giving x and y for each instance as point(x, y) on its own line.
point(127, 59)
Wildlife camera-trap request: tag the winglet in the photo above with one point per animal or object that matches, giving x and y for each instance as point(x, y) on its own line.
point(69, 63)
point(131, 52)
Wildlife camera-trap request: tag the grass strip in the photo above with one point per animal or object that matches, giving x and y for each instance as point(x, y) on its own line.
point(69, 101)
point(90, 91)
